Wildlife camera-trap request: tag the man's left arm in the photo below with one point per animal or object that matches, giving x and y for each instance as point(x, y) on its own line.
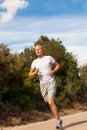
point(55, 69)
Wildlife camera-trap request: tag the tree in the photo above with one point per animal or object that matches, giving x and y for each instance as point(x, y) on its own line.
point(9, 73)
point(4, 68)
point(67, 76)
point(83, 84)
point(20, 90)
point(72, 77)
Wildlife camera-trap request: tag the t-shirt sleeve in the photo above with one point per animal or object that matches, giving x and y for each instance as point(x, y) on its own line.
point(33, 65)
point(52, 59)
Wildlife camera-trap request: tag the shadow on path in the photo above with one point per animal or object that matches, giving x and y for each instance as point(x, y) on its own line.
point(73, 124)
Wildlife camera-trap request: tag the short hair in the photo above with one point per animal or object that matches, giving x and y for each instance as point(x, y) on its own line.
point(38, 45)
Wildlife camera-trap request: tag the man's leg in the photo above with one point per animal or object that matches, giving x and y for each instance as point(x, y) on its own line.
point(55, 113)
point(53, 108)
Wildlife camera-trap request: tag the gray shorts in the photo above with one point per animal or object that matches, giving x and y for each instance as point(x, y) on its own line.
point(48, 90)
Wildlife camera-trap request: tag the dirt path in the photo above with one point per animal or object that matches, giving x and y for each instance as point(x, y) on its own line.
point(76, 121)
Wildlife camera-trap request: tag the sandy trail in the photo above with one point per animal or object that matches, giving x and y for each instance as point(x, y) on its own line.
point(71, 122)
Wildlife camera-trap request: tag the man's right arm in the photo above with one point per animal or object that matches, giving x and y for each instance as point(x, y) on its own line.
point(33, 72)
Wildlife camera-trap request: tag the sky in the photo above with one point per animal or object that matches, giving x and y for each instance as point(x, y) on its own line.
point(22, 22)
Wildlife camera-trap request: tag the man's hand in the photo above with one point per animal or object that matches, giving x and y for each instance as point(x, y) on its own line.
point(51, 73)
point(36, 71)
point(33, 72)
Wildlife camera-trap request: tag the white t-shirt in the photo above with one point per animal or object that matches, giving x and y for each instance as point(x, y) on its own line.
point(44, 65)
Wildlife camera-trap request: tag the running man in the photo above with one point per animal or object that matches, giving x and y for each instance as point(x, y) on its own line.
point(42, 66)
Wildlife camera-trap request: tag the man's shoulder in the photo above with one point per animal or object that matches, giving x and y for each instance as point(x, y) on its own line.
point(47, 56)
point(35, 60)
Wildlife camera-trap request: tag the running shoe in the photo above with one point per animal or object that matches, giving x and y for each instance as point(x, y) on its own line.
point(59, 124)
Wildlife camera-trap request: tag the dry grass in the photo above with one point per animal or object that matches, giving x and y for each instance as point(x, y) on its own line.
point(20, 117)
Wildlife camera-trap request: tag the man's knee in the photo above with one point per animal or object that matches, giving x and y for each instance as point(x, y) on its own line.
point(50, 101)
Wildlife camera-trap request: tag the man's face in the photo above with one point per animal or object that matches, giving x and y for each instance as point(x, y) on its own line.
point(39, 51)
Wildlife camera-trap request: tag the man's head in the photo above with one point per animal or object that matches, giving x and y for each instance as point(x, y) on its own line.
point(39, 50)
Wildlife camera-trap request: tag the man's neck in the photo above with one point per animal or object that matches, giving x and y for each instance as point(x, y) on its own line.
point(41, 56)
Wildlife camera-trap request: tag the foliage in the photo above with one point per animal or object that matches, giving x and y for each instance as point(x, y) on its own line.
point(67, 77)
point(17, 89)
point(83, 83)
